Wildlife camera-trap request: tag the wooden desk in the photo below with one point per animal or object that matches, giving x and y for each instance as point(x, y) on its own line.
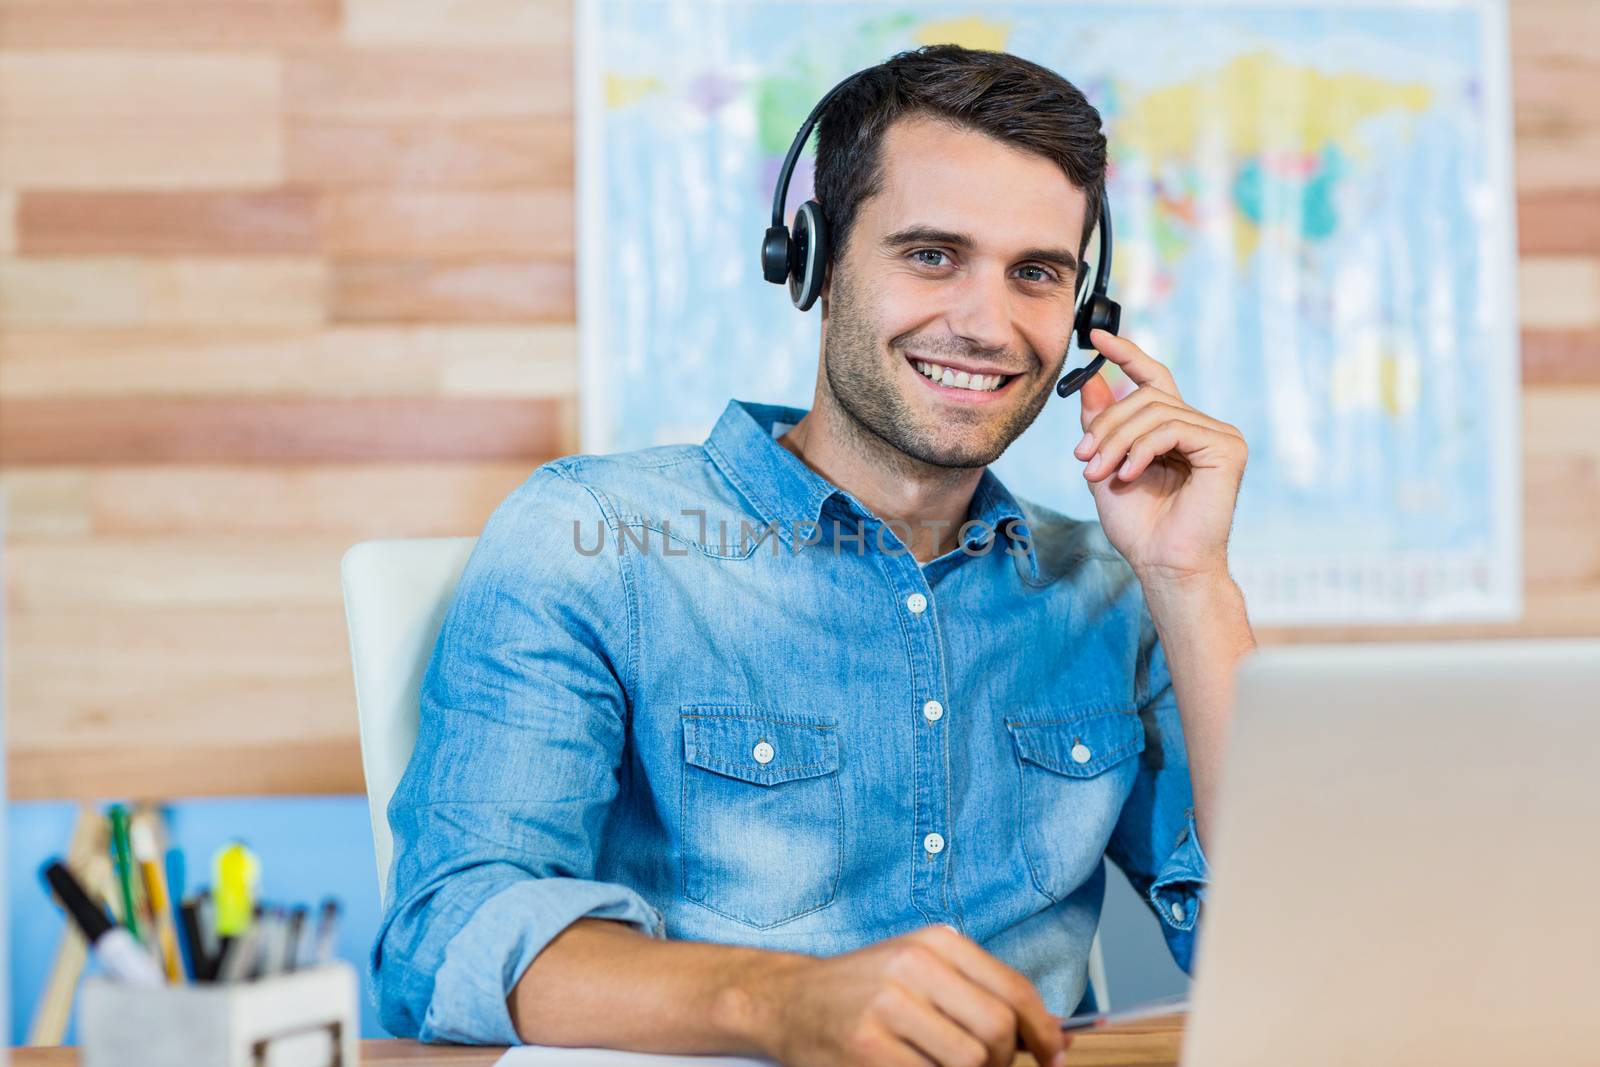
point(1153, 1043)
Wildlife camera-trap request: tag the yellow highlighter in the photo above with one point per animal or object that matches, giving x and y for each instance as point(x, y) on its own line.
point(235, 874)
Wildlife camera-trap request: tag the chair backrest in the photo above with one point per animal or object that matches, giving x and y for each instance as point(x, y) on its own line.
point(395, 596)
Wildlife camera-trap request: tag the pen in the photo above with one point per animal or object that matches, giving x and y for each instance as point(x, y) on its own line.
point(292, 939)
point(122, 855)
point(239, 955)
point(210, 944)
point(323, 949)
point(193, 945)
point(275, 943)
point(113, 947)
point(143, 841)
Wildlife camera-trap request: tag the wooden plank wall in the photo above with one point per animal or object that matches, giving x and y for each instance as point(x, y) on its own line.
point(281, 275)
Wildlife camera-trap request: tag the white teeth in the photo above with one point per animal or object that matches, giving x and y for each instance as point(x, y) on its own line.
point(955, 379)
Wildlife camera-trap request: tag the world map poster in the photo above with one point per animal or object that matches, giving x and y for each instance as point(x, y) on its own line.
point(1313, 210)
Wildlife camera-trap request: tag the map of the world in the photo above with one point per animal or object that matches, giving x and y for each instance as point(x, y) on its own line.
point(1312, 207)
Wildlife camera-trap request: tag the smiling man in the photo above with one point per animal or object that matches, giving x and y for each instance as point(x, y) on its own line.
point(811, 740)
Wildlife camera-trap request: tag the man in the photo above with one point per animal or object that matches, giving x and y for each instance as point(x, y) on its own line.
point(810, 740)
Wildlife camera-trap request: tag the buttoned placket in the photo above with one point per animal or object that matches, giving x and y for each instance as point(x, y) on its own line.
point(932, 836)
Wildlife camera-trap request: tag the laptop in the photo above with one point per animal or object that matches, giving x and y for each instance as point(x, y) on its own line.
point(1406, 867)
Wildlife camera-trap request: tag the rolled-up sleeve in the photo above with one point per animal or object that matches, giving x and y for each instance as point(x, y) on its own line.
point(1155, 842)
point(523, 716)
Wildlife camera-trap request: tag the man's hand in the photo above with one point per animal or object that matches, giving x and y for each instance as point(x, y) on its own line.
point(930, 996)
point(1164, 477)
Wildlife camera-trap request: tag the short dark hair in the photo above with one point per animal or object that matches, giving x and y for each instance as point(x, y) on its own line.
point(1005, 96)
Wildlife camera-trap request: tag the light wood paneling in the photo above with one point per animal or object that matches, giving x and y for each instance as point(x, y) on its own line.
point(538, 223)
point(1560, 292)
point(8, 221)
point(164, 501)
point(278, 221)
point(133, 430)
point(341, 361)
point(428, 290)
point(406, 84)
point(523, 151)
point(110, 83)
point(96, 292)
point(460, 22)
point(283, 275)
point(166, 24)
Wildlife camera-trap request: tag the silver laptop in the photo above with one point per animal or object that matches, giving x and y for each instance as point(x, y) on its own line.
point(1407, 860)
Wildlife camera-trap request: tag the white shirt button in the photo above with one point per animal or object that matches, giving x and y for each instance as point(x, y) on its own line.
point(763, 753)
point(1081, 753)
point(934, 844)
point(916, 603)
point(1177, 912)
point(933, 711)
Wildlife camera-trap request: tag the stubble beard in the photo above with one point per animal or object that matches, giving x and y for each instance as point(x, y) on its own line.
point(853, 369)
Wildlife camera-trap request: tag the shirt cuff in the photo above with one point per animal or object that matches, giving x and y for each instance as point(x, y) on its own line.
point(487, 956)
point(1179, 888)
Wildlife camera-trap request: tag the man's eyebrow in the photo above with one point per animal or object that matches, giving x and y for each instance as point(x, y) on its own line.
point(912, 235)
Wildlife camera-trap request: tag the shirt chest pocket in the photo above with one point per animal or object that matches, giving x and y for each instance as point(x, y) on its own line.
point(762, 819)
point(1076, 769)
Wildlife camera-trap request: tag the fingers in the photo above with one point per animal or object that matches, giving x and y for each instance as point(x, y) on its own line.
point(1095, 396)
point(977, 1011)
point(1201, 446)
point(1041, 1031)
point(1138, 365)
point(1107, 418)
point(914, 1019)
point(1112, 436)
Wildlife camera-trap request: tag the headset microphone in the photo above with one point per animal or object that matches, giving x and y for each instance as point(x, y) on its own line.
point(801, 259)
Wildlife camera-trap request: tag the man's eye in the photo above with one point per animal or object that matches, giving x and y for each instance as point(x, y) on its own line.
point(1039, 274)
point(929, 257)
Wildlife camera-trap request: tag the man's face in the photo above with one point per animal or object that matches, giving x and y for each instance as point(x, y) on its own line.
point(965, 260)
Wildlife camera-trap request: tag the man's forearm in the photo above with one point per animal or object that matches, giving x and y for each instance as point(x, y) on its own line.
point(602, 983)
point(1204, 634)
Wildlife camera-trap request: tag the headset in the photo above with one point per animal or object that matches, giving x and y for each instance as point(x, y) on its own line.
point(801, 259)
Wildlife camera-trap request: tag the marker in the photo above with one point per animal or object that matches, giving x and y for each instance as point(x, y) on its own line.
point(234, 891)
point(116, 950)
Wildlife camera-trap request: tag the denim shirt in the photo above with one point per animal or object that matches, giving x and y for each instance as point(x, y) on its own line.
point(701, 690)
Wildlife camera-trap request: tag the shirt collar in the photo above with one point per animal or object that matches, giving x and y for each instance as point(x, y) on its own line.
point(784, 491)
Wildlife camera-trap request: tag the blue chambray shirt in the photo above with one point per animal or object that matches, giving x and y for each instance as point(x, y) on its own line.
point(701, 690)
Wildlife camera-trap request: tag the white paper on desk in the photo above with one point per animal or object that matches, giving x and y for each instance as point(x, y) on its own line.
point(1150, 1009)
point(551, 1055)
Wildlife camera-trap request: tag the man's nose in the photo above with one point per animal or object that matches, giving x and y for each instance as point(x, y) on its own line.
point(981, 311)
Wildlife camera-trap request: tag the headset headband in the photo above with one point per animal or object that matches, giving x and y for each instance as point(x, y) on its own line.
point(802, 260)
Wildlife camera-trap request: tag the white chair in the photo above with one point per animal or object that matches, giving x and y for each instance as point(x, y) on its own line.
point(395, 596)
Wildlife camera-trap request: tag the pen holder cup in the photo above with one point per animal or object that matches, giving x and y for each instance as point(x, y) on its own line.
point(305, 1018)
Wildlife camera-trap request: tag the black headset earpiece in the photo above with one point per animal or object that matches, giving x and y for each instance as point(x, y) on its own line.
point(801, 259)
point(1098, 311)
